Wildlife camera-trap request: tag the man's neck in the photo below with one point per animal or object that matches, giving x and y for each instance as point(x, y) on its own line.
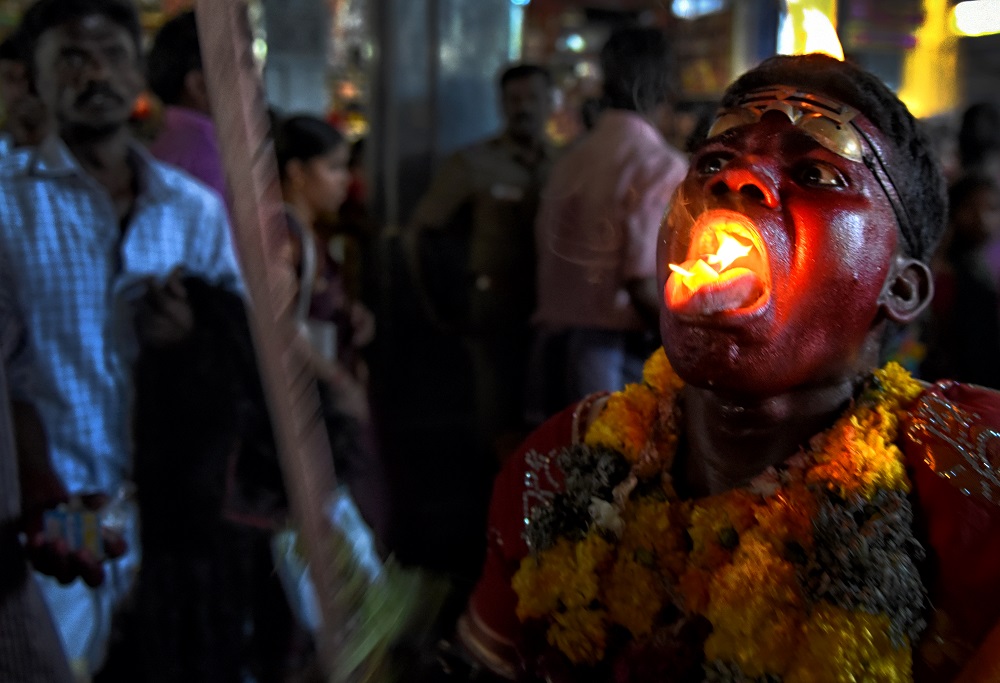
point(730, 441)
point(101, 155)
point(529, 149)
point(106, 158)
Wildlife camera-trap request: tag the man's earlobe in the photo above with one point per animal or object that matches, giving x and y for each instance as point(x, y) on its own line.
point(908, 290)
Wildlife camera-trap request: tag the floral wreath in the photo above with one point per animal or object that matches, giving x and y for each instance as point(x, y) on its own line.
point(807, 574)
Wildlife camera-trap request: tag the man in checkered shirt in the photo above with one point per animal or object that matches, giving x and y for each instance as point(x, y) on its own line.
point(94, 237)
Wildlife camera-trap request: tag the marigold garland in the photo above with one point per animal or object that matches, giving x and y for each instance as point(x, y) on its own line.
point(744, 560)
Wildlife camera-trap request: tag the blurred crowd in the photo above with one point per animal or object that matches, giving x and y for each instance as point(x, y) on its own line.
point(140, 485)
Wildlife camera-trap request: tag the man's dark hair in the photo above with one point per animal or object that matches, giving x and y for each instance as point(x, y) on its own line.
point(916, 172)
point(14, 48)
point(304, 137)
point(520, 72)
point(48, 14)
point(175, 53)
point(638, 69)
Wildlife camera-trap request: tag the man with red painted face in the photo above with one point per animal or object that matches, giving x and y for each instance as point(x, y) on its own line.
point(768, 503)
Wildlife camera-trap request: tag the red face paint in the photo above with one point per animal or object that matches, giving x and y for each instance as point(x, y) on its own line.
point(800, 303)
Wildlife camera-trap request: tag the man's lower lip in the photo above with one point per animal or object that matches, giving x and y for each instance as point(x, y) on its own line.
point(729, 316)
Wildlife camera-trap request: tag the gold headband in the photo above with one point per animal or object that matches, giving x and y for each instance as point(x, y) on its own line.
point(828, 122)
point(824, 120)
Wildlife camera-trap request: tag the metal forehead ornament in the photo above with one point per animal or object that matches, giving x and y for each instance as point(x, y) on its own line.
point(826, 121)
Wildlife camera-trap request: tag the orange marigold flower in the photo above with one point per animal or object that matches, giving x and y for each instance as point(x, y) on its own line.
point(658, 374)
point(625, 423)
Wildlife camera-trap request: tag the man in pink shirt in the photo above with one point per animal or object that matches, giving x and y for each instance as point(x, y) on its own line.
point(596, 234)
point(187, 139)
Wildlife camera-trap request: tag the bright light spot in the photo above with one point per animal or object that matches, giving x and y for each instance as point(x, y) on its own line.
point(575, 42)
point(805, 30)
point(821, 36)
point(729, 250)
point(259, 49)
point(520, 3)
point(976, 18)
point(692, 9)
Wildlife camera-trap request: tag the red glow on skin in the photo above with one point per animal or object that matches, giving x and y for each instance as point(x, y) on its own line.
point(827, 236)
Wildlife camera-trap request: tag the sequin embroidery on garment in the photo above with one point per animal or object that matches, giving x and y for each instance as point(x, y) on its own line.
point(970, 461)
point(539, 485)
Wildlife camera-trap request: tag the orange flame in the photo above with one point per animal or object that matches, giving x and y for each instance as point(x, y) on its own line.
point(708, 268)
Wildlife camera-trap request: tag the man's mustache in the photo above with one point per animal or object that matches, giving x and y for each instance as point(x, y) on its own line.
point(98, 90)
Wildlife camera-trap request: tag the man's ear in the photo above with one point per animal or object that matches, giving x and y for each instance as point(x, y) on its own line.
point(908, 289)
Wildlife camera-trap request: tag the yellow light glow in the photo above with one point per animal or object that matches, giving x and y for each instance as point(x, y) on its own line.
point(924, 91)
point(729, 251)
point(808, 26)
point(976, 17)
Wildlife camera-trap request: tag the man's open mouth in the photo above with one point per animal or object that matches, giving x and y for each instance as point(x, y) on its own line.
point(726, 270)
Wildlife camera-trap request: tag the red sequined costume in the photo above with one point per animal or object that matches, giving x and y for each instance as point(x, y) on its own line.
point(951, 442)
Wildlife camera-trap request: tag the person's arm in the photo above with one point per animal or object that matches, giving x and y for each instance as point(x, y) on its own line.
point(645, 204)
point(217, 259)
point(163, 315)
point(40, 486)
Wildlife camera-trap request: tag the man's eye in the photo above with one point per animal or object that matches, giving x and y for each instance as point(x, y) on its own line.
point(73, 59)
point(710, 164)
point(820, 175)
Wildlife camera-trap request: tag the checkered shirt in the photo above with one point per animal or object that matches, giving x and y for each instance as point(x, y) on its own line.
point(72, 276)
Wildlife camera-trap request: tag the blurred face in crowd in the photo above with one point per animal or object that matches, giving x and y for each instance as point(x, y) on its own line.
point(527, 104)
point(322, 180)
point(817, 240)
point(88, 75)
point(25, 115)
point(976, 220)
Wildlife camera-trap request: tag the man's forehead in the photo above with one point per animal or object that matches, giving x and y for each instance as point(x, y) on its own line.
point(90, 28)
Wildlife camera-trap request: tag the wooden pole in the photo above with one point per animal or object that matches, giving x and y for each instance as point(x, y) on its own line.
point(239, 109)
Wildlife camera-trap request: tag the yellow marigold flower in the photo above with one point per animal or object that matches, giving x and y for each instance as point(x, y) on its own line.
point(581, 634)
point(625, 423)
point(650, 524)
point(717, 523)
point(840, 646)
point(857, 459)
point(566, 574)
point(658, 374)
point(634, 594)
point(755, 608)
point(898, 385)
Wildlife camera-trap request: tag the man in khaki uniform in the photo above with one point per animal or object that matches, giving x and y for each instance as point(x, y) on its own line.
point(489, 193)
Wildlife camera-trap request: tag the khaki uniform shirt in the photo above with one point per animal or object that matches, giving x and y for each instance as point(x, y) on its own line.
point(492, 191)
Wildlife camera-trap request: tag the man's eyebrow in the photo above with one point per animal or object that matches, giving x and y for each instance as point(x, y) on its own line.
point(723, 138)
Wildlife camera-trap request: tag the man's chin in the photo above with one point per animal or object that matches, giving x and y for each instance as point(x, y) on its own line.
point(721, 360)
point(93, 130)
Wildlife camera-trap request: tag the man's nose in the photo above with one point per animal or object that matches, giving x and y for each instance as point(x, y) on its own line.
point(97, 68)
point(749, 178)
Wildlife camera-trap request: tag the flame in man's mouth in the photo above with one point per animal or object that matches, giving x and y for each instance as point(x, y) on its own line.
point(726, 269)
